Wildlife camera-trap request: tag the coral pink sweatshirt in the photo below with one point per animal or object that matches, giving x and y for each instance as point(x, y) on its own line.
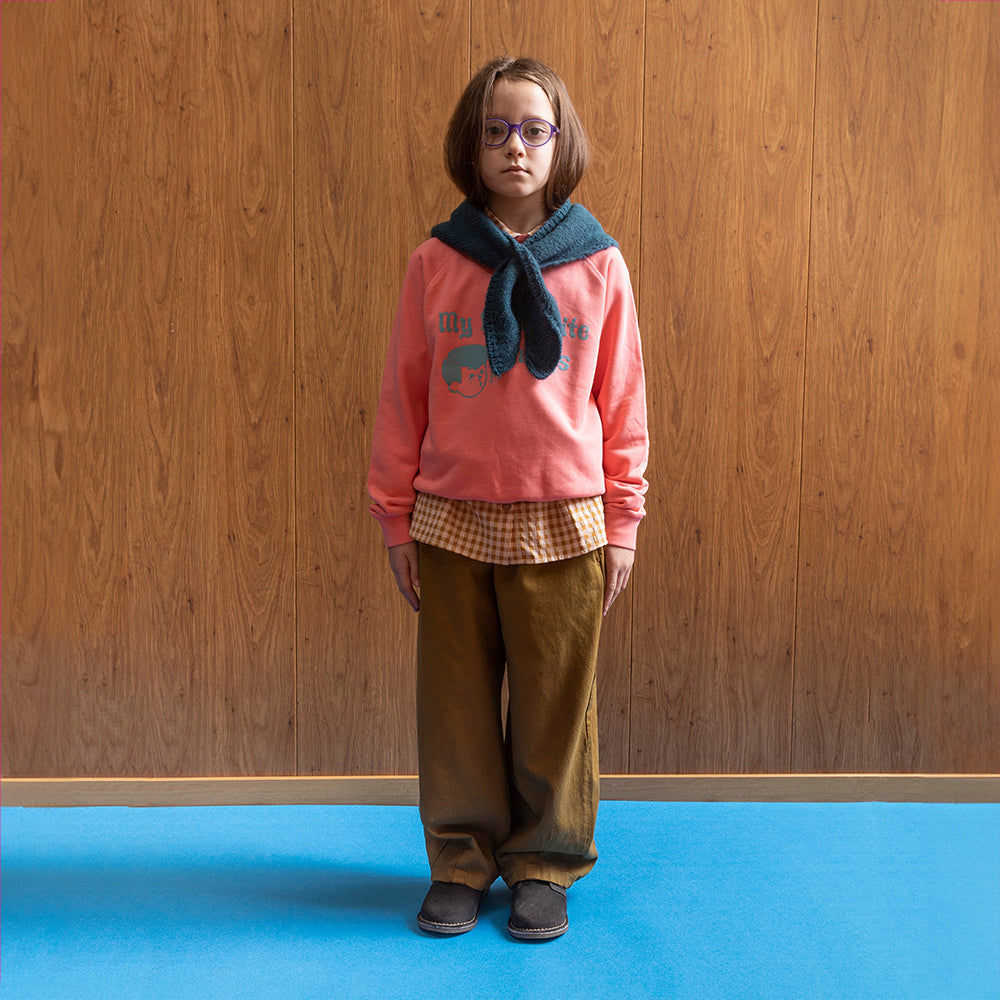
point(446, 425)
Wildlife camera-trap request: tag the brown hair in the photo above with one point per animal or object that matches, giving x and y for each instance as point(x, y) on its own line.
point(463, 141)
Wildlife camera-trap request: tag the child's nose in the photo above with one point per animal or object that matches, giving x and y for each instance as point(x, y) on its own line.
point(514, 141)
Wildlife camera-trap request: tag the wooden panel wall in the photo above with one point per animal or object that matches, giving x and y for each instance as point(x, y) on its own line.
point(207, 214)
point(727, 147)
point(148, 586)
point(897, 663)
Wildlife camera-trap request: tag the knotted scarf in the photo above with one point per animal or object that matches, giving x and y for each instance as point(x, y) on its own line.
point(517, 297)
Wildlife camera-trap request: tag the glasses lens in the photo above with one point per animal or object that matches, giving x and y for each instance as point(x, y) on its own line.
point(495, 132)
point(536, 132)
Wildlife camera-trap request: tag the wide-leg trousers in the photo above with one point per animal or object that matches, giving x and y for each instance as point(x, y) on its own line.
point(519, 801)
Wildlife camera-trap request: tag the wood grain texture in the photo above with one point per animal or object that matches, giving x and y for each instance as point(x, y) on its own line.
point(151, 636)
point(212, 479)
point(898, 649)
point(728, 124)
point(598, 52)
point(62, 589)
point(370, 184)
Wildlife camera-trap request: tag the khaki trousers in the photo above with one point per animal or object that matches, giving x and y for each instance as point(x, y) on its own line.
point(520, 804)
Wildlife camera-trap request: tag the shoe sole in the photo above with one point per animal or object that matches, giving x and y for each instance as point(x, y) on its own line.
point(433, 928)
point(537, 933)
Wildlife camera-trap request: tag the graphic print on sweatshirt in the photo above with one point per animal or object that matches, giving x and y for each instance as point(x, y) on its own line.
point(465, 368)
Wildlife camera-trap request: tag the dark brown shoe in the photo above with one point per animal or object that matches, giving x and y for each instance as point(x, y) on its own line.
point(450, 908)
point(537, 911)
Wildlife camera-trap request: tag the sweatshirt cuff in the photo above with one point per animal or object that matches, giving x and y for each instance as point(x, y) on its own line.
point(396, 530)
point(621, 528)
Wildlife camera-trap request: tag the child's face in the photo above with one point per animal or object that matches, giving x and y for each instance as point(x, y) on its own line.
point(514, 172)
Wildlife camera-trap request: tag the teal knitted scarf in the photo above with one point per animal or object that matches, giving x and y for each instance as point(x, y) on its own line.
point(517, 297)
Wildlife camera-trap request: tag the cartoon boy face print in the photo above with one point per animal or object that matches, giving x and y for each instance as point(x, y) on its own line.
point(464, 370)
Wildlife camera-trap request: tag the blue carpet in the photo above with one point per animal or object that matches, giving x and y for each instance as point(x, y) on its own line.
point(689, 900)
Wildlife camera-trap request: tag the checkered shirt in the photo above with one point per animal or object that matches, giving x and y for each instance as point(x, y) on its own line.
point(509, 534)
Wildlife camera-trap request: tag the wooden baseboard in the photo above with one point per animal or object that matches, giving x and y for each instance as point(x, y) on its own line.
point(402, 789)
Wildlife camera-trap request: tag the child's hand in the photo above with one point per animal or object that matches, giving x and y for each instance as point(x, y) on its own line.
point(618, 568)
point(404, 562)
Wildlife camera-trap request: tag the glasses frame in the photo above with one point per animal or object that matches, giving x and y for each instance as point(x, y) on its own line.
point(516, 127)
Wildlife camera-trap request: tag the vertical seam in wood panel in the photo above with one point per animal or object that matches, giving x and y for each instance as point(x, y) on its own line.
point(802, 403)
point(295, 399)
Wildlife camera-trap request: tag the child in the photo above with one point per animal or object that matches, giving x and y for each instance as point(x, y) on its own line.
point(507, 476)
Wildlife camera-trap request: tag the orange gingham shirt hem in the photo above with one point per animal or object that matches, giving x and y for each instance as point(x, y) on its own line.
point(509, 534)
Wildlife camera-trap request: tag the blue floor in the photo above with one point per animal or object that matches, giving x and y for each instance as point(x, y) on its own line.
point(689, 900)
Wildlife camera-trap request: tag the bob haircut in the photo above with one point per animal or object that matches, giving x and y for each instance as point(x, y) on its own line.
point(463, 142)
